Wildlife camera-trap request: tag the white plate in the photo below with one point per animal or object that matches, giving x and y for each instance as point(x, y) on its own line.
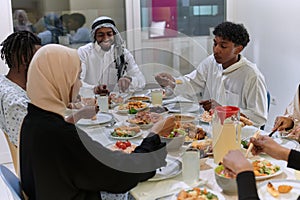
point(248, 131)
point(220, 196)
point(141, 93)
point(125, 138)
point(287, 143)
point(259, 178)
point(172, 169)
point(183, 107)
point(112, 147)
point(143, 126)
point(292, 195)
point(125, 111)
point(136, 98)
point(102, 118)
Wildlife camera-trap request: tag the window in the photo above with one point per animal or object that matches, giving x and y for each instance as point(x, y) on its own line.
point(50, 19)
point(169, 18)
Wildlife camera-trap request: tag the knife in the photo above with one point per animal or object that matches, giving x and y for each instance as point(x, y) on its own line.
point(270, 134)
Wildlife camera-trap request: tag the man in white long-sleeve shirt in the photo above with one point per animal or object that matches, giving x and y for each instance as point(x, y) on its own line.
point(226, 77)
point(106, 62)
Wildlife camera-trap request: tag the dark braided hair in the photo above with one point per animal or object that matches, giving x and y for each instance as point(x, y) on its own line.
point(18, 48)
point(235, 33)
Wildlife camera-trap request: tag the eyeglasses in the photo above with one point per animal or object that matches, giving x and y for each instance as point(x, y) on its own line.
point(102, 34)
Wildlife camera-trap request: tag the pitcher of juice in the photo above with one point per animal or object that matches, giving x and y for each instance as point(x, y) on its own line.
point(226, 130)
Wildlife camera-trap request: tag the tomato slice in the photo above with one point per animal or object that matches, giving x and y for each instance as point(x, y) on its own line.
point(118, 143)
point(127, 143)
point(122, 146)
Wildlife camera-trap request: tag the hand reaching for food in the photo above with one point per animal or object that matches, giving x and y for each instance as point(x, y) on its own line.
point(165, 79)
point(209, 104)
point(283, 123)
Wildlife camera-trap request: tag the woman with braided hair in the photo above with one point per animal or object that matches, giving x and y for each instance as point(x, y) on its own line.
point(17, 51)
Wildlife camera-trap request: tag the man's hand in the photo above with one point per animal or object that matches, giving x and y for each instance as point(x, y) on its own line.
point(100, 89)
point(209, 104)
point(283, 123)
point(266, 144)
point(165, 79)
point(124, 83)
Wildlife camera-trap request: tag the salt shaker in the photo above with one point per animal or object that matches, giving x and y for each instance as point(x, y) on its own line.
point(191, 166)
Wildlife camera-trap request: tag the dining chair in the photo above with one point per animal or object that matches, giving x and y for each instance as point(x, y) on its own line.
point(12, 182)
point(14, 152)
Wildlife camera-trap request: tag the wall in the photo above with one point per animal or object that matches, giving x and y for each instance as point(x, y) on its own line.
point(5, 30)
point(275, 46)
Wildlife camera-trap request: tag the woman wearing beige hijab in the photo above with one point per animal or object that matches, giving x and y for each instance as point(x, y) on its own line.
point(60, 161)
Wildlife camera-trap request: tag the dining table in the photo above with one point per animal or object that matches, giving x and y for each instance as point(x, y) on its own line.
point(167, 187)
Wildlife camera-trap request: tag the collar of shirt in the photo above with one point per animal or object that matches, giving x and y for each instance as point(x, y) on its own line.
point(233, 67)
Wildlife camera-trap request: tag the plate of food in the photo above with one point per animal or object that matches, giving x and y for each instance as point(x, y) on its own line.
point(100, 118)
point(183, 107)
point(172, 169)
point(204, 145)
point(136, 105)
point(124, 132)
point(192, 131)
point(139, 98)
point(205, 117)
point(198, 193)
point(124, 146)
point(184, 117)
point(159, 109)
point(142, 119)
point(264, 169)
point(279, 189)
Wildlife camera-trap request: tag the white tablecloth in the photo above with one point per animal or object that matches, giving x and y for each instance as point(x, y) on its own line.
point(154, 189)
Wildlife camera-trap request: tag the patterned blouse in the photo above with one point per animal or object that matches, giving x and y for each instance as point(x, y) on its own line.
point(13, 109)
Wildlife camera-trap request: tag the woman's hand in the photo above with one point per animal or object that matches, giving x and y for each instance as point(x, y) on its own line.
point(86, 112)
point(236, 162)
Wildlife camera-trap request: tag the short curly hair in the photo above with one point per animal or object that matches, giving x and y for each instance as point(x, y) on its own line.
point(235, 33)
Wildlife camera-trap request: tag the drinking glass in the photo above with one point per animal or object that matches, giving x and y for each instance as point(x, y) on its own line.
point(156, 97)
point(191, 166)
